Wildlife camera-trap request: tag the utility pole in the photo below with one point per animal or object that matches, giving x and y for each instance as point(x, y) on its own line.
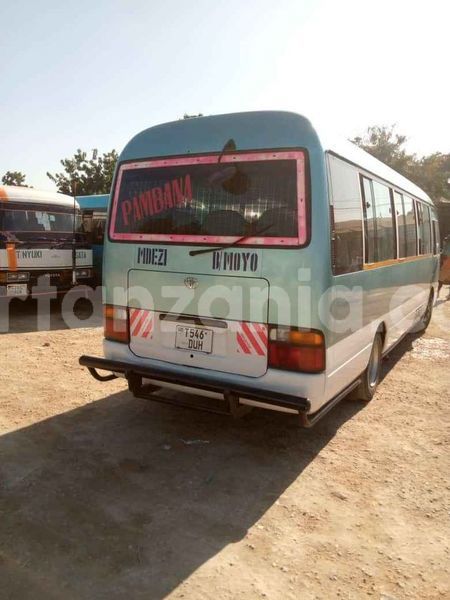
point(74, 240)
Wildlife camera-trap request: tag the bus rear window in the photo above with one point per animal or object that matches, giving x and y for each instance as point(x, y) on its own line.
point(203, 200)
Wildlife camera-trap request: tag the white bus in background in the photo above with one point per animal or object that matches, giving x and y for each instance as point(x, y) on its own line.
point(37, 240)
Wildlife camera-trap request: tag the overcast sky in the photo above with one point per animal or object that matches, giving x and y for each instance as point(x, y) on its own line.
point(90, 74)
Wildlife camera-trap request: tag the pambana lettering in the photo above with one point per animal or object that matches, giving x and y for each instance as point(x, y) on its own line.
point(156, 200)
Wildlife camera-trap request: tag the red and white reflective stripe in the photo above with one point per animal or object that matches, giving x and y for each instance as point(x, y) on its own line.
point(141, 322)
point(252, 338)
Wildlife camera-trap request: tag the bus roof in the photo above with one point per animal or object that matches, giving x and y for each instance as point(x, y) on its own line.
point(93, 202)
point(255, 131)
point(33, 196)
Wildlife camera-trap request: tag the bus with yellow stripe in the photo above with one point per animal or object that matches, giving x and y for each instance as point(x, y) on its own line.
point(252, 260)
point(42, 248)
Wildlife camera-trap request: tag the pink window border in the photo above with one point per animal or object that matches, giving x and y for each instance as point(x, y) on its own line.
point(296, 155)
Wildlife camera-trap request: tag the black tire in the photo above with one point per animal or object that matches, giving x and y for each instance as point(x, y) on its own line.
point(426, 318)
point(371, 376)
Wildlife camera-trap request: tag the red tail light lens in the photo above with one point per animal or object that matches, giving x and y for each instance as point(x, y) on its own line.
point(294, 349)
point(116, 323)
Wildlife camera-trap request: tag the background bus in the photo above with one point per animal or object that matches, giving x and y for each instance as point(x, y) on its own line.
point(36, 242)
point(93, 211)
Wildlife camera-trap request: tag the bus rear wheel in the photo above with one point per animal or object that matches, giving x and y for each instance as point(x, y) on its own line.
point(371, 376)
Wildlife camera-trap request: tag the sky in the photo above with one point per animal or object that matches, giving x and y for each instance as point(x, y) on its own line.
point(84, 74)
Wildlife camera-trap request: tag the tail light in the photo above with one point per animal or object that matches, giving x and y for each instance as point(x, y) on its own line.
point(116, 323)
point(295, 349)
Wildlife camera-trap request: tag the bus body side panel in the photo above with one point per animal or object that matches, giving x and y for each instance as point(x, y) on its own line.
point(393, 296)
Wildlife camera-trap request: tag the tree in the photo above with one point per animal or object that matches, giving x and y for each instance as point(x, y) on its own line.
point(388, 146)
point(83, 177)
point(14, 178)
point(431, 173)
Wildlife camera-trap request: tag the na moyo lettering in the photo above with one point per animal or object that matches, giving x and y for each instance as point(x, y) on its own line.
point(234, 261)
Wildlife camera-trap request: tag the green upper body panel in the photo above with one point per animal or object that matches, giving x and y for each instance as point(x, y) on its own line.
point(249, 130)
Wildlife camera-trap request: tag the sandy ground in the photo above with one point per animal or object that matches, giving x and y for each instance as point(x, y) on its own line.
point(107, 497)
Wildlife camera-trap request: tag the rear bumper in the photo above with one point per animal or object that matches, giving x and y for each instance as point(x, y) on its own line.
point(136, 373)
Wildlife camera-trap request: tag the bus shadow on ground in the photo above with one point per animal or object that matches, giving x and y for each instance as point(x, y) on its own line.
point(70, 312)
point(125, 498)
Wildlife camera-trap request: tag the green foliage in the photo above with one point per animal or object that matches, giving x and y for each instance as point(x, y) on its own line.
point(388, 146)
point(83, 177)
point(431, 173)
point(14, 178)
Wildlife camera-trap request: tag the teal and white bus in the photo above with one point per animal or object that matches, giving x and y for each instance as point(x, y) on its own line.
point(252, 261)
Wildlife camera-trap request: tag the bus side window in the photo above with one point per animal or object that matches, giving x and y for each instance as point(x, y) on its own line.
point(346, 217)
point(379, 222)
point(369, 220)
point(410, 225)
point(86, 224)
point(426, 229)
point(435, 232)
point(419, 227)
point(98, 231)
point(423, 222)
point(385, 227)
point(401, 224)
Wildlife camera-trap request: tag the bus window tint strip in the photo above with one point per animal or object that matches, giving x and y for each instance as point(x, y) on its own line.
point(228, 200)
point(199, 201)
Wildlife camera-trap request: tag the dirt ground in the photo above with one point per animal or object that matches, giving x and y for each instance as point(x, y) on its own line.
point(107, 497)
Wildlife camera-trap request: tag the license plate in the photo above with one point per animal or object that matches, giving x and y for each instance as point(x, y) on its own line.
point(194, 338)
point(17, 289)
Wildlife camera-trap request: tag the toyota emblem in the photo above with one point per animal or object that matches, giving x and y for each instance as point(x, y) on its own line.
point(191, 283)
